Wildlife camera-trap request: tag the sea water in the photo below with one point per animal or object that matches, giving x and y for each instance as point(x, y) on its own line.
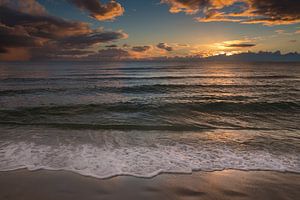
point(146, 118)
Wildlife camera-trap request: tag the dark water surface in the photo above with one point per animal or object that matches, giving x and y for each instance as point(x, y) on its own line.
point(144, 118)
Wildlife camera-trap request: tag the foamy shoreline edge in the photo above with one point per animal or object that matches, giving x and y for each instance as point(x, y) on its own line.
point(145, 177)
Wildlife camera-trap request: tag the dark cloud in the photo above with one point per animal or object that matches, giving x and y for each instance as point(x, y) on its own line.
point(141, 48)
point(72, 52)
point(267, 12)
point(276, 7)
point(25, 6)
point(45, 36)
point(112, 46)
point(126, 45)
point(16, 37)
point(293, 41)
point(3, 50)
point(42, 25)
point(164, 46)
point(241, 45)
point(276, 11)
point(100, 11)
point(259, 56)
point(86, 40)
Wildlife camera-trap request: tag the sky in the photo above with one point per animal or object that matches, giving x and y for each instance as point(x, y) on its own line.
point(139, 29)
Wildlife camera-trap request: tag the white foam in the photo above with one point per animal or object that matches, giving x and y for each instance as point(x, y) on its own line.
point(104, 162)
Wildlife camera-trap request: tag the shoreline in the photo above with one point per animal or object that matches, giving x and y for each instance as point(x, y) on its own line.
point(225, 184)
point(74, 172)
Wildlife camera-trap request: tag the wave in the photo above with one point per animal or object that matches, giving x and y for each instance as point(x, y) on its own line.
point(106, 161)
point(160, 117)
point(144, 78)
point(185, 127)
point(146, 68)
point(131, 107)
point(123, 127)
point(135, 127)
point(156, 88)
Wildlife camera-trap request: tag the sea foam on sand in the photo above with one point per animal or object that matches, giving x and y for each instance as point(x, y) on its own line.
point(104, 162)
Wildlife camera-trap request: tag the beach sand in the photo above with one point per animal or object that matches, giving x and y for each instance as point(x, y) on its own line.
point(223, 185)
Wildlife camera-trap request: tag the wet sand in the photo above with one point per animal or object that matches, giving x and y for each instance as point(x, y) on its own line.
point(223, 185)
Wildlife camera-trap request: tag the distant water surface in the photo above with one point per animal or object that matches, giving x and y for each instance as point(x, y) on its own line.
point(145, 118)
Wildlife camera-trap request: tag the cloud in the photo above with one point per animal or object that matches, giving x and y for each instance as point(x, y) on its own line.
point(100, 11)
point(293, 41)
point(55, 53)
point(141, 48)
point(229, 47)
point(280, 31)
point(44, 36)
point(109, 54)
point(3, 50)
point(15, 54)
point(112, 46)
point(164, 46)
point(96, 37)
point(113, 53)
point(266, 12)
point(180, 45)
point(187, 6)
point(44, 26)
point(16, 37)
point(275, 12)
point(241, 45)
point(28, 6)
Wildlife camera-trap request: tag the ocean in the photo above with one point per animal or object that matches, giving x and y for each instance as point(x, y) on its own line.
point(147, 118)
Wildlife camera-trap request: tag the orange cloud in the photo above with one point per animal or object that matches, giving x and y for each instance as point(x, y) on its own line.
point(273, 21)
point(15, 54)
point(45, 36)
point(100, 11)
point(187, 6)
point(222, 3)
point(266, 12)
point(233, 44)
